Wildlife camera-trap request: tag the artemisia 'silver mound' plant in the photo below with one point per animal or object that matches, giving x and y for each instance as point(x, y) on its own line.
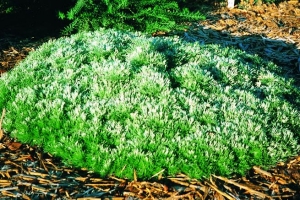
point(113, 102)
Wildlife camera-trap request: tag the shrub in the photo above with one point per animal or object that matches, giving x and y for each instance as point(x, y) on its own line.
point(5, 7)
point(113, 102)
point(147, 16)
point(17, 6)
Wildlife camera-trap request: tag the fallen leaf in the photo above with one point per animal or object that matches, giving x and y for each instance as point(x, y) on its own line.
point(13, 146)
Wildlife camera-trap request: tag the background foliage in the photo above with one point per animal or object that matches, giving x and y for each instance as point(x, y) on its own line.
point(15, 6)
point(113, 102)
point(9, 6)
point(145, 15)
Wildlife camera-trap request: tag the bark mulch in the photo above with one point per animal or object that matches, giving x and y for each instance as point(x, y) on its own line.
point(26, 172)
point(271, 31)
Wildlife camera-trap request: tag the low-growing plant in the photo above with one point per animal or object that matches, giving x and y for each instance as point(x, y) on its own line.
point(115, 101)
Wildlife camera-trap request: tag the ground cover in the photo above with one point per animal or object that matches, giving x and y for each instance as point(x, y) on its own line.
point(113, 102)
point(183, 178)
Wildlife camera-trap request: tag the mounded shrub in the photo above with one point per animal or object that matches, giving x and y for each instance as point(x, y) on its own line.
point(113, 102)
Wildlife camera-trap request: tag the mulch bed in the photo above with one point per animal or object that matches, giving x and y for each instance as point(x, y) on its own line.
point(26, 172)
point(270, 31)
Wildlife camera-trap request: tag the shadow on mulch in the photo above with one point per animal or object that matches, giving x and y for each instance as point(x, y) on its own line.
point(25, 31)
point(270, 31)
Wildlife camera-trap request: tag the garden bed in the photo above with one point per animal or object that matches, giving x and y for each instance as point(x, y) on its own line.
point(29, 172)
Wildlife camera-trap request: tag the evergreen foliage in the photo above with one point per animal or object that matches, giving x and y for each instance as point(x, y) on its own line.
point(21, 6)
point(113, 102)
point(145, 15)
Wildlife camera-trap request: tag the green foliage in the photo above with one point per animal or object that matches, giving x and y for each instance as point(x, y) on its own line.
point(6, 6)
point(20, 6)
point(145, 15)
point(114, 102)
